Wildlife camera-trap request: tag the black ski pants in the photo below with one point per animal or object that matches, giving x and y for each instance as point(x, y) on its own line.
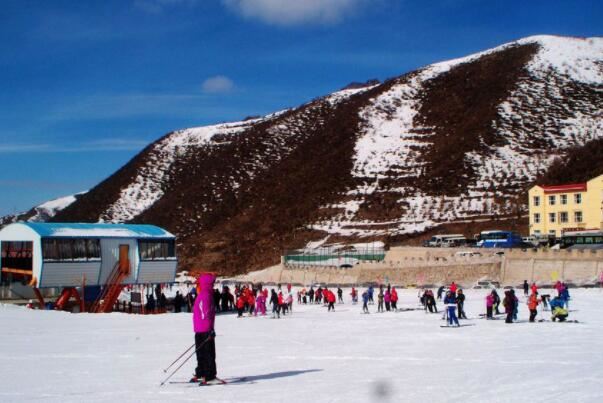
point(206, 356)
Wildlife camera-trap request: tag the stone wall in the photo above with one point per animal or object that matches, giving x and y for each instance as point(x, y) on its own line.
point(548, 266)
point(432, 267)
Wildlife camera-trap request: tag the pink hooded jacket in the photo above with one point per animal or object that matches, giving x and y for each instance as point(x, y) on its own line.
point(204, 313)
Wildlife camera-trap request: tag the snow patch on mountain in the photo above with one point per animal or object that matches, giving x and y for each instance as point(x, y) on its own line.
point(147, 187)
point(391, 142)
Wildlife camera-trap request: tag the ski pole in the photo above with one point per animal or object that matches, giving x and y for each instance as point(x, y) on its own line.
point(176, 360)
point(185, 361)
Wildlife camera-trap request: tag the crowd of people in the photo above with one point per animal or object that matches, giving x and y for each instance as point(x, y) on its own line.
point(257, 300)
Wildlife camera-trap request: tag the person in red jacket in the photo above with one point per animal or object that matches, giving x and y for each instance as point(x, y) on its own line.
point(533, 302)
point(240, 305)
point(251, 303)
point(453, 288)
point(330, 298)
point(394, 299)
point(281, 302)
point(534, 288)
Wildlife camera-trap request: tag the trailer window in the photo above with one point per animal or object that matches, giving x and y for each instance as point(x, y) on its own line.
point(69, 250)
point(157, 250)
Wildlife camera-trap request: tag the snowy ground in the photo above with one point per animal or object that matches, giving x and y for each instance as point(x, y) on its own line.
point(311, 356)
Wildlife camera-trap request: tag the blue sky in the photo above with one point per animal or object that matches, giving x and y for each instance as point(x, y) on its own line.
point(85, 85)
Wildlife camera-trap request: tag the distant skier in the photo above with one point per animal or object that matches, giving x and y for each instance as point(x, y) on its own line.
point(311, 295)
point(450, 302)
point(354, 295)
point(339, 295)
point(204, 315)
point(515, 304)
point(379, 300)
point(365, 300)
point(533, 306)
point(330, 299)
point(565, 295)
point(440, 292)
point(371, 290)
point(394, 299)
point(276, 309)
point(240, 305)
point(453, 288)
point(509, 304)
point(526, 287)
point(496, 302)
point(460, 302)
point(489, 305)
point(178, 302)
point(534, 288)
point(557, 309)
point(430, 302)
point(387, 298)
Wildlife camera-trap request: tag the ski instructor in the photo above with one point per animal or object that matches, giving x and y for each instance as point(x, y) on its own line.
point(204, 316)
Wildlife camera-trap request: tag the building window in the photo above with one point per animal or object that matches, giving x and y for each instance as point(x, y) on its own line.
point(563, 199)
point(157, 249)
point(563, 218)
point(578, 198)
point(552, 217)
point(536, 218)
point(552, 232)
point(536, 201)
point(552, 200)
point(69, 250)
point(577, 216)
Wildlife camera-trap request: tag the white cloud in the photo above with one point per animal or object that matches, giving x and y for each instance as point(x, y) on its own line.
point(294, 12)
point(108, 144)
point(218, 84)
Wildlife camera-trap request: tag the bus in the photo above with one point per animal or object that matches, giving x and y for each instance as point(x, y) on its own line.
point(585, 239)
point(500, 239)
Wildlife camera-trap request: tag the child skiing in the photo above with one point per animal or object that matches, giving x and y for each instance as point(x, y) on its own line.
point(533, 305)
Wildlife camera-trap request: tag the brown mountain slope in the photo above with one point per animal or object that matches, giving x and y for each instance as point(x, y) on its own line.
point(448, 145)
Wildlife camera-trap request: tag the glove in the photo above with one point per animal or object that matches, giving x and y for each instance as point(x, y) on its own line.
point(212, 334)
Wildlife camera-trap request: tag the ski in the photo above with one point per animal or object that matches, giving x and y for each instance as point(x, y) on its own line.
point(213, 382)
point(463, 325)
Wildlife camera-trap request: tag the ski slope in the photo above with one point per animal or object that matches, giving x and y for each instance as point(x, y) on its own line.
point(312, 355)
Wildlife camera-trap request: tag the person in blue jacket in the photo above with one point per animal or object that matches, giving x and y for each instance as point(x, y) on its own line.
point(370, 295)
point(557, 310)
point(365, 299)
point(450, 301)
point(565, 296)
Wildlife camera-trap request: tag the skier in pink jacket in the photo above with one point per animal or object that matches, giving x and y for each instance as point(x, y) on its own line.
point(204, 315)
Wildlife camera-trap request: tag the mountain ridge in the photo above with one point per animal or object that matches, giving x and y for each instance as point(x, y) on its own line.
point(454, 141)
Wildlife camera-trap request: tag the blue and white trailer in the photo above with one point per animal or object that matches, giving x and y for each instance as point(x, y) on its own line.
point(70, 254)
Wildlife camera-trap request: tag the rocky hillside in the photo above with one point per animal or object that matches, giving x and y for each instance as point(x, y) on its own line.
point(455, 142)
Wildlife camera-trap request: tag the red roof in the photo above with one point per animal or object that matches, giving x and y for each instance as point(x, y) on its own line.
point(572, 187)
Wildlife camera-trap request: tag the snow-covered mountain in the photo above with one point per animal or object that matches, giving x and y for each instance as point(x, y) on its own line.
point(43, 212)
point(454, 141)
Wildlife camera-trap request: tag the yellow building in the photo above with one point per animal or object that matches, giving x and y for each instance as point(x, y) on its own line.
point(571, 207)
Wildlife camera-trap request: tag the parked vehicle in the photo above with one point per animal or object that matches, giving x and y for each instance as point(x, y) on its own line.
point(501, 239)
point(438, 241)
point(586, 239)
